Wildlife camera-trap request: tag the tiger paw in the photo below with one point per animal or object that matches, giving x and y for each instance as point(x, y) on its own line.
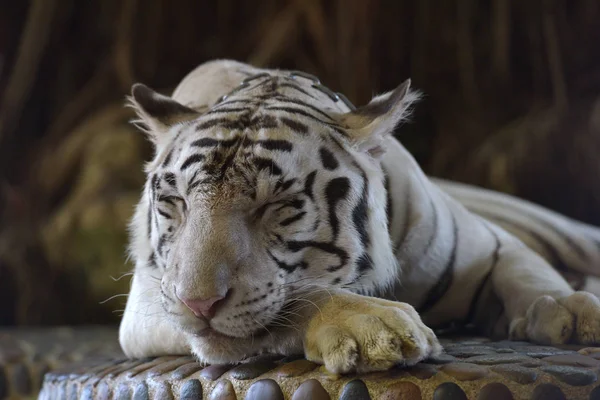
point(355, 333)
point(575, 318)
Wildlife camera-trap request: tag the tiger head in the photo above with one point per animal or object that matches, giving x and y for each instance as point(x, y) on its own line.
point(258, 200)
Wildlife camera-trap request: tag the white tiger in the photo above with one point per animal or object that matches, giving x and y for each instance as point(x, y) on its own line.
point(277, 218)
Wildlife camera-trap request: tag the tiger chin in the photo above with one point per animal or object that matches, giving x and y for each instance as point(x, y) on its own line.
point(278, 218)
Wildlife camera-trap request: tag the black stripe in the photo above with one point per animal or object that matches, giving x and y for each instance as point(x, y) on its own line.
point(152, 261)
point(389, 209)
point(155, 182)
point(149, 220)
point(309, 185)
point(296, 246)
point(292, 219)
point(263, 122)
point(296, 204)
point(276, 145)
point(226, 164)
point(272, 80)
point(298, 111)
point(169, 199)
point(570, 242)
point(198, 183)
point(484, 281)
point(210, 142)
point(287, 267)
point(445, 280)
point(267, 164)
point(328, 159)
point(407, 218)
point(161, 242)
point(297, 88)
point(574, 246)
point(435, 228)
point(360, 216)
point(282, 186)
point(167, 160)
point(228, 110)
point(193, 159)
point(227, 123)
point(164, 214)
point(337, 189)
point(284, 99)
point(236, 101)
point(364, 264)
point(555, 257)
point(169, 177)
point(295, 126)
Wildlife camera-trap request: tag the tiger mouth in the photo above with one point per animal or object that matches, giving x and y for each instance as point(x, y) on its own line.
point(273, 327)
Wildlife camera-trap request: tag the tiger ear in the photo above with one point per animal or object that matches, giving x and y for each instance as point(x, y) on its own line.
point(370, 124)
point(157, 113)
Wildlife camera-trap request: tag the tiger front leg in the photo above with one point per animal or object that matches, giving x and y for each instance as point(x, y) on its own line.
point(540, 304)
point(353, 333)
point(145, 330)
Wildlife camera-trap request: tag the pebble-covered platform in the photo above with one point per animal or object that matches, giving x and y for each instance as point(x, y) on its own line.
point(88, 365)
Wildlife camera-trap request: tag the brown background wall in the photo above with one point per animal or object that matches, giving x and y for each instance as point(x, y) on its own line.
point(512, 103)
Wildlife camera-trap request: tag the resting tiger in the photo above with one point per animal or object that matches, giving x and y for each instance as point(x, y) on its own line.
point(278, 218)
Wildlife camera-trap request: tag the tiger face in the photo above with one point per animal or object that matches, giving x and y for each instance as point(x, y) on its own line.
point(260, 201)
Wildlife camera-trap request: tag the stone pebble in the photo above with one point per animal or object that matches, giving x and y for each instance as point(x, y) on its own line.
point(167, 367)
point(492, 359)
point(547, 391)
point(295, 368)
point(264, 389)
point(422, 371)
point(142, 367)
point(595, 394)
point(516, 373)
point(470, 351)
point(191, 390)
point(540, 351)
point(185, 370)
point(443, 358)
point(103, 391)
point(310, 390)
point(251, 370)
point(141, 392)
point(449, 391)
point(87, 392)
point(465, 371)
point(223, 390)
point(495, 391)
point(123, 392)
point(586, 351)
point(402, 391)
point(72, 390)
point(574, 360)
point(214, 372)
point(163, 392)
point(355, 390)
point(572, 375)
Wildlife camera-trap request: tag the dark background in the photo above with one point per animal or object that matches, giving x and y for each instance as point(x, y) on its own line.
point(512, 103)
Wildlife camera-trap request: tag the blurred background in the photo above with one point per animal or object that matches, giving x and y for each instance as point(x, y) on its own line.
point(512, 103)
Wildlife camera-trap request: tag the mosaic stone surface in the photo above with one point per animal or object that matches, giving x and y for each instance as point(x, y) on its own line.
point(88, 365)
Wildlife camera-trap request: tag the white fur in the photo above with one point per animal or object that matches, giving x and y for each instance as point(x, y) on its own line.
point(213, 247)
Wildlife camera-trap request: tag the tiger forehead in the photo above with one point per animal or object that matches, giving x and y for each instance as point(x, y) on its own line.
point(273, 103)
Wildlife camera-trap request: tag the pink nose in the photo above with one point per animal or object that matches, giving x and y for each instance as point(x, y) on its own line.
point(203, 307)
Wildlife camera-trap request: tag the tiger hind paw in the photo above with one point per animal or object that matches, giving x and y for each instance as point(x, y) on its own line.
point(575, 318)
